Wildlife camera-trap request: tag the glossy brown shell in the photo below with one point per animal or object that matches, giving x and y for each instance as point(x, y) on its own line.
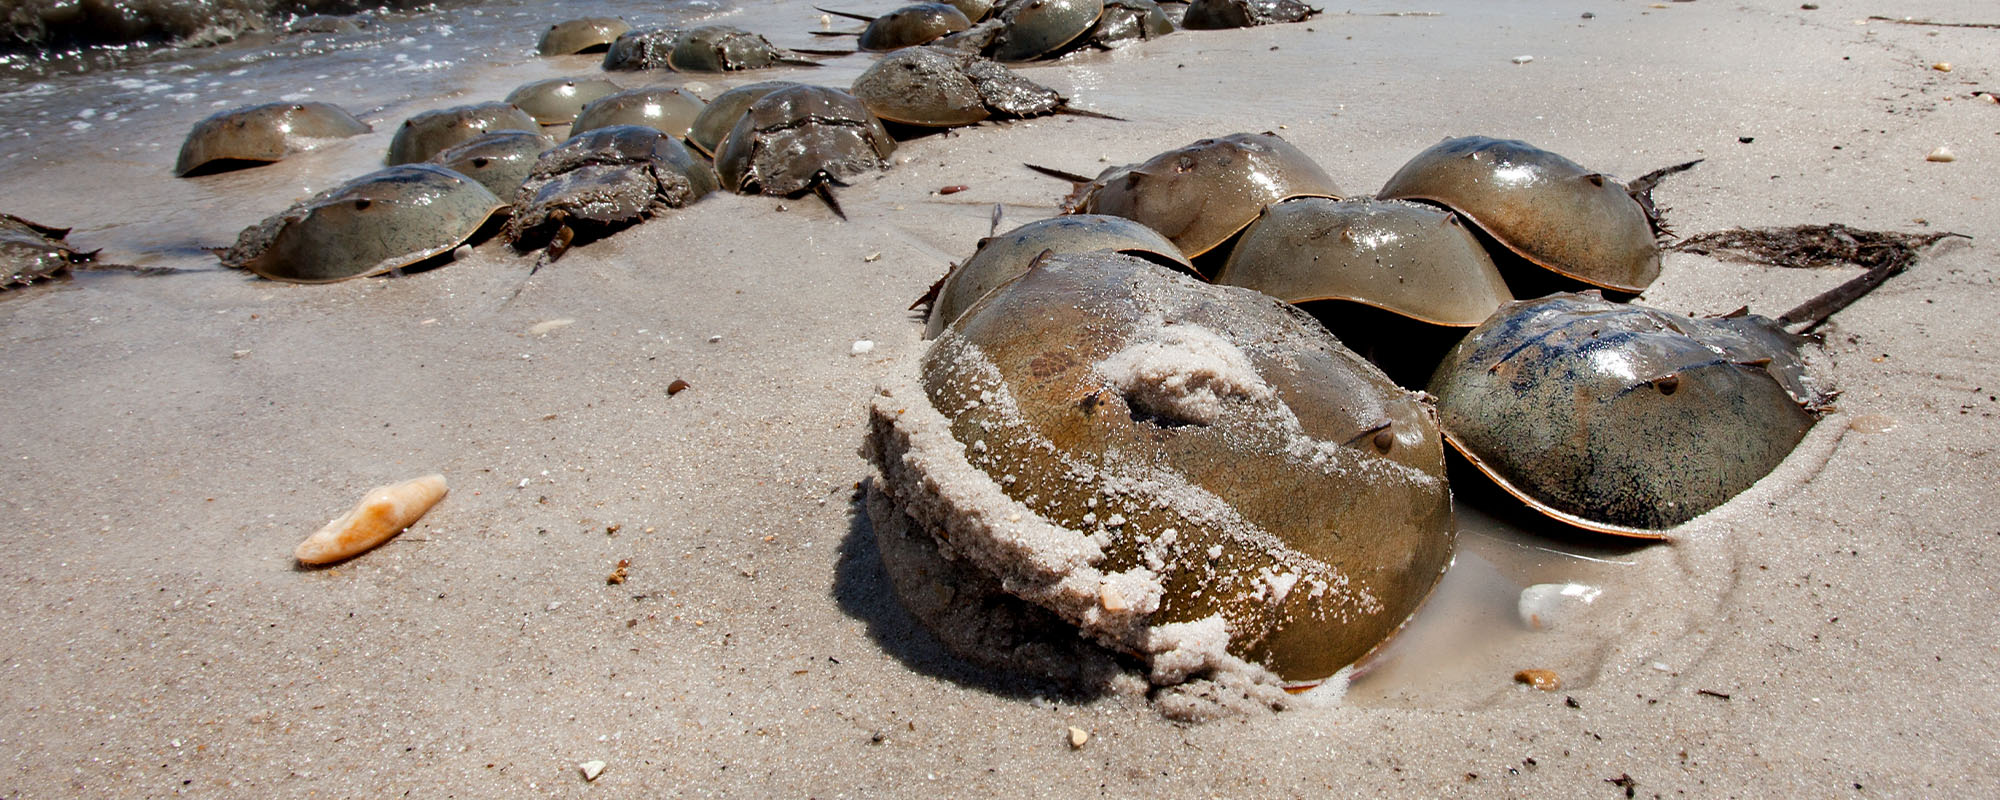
point(937, 88)
point(1219, 14)
point(423, 135)
point(999, 258)
point(716, 119)
point(1202, 194)
point(1408, 258)
point(581, 35)
point(556, 101)
point(607, 178)
point(795, 137)
point(1302, 500)
point(1035, 28)
point(384, 220)
point(668, 108)
point(974, 10)
point(912, 25)
point(1551, 211)
point(499, 160)
point(264, 133)
point(1621, 418)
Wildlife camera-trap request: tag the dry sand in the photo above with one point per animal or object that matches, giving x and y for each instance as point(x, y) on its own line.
point(169, 440)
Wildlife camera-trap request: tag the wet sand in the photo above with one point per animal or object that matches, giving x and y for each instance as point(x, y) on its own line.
point(170, 439)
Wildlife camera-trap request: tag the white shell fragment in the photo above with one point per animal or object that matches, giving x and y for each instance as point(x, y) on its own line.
point(591, 769)
point(1942, 154)
point(382, 513)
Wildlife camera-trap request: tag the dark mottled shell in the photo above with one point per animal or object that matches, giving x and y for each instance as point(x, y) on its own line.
point(1000, 258)
point(1128, 21)
point(264, 133)
point(1578, 223)
point(940, 88)
point(1288, 487)
point(607, 178)
point(1202, 194)
point(794, 137)
point(1035, 28)
point(423, 135)
point(31, 251)
point(556, 101)
point(585, 35)
point(643, 48)
point(384, 220)
point(499, 160)
point(1408, 258)
point(718, 117)
point(1219, 14)
point(912, 25)
point(1622, 418)
point(668, 108)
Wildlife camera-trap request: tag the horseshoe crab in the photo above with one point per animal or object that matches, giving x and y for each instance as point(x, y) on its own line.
point(388, 219)
point(603, 180)
point(642, 48)
point(974, 10)
point(1201, 194)
point(556, 101)
point(670, 109)
point(938, 88)
point(499, 161)
point(1031, 29)
point(31, 251)
point(999, 258)
point(718, 117)
point(1411, 259)
point(721, 48)
point(1219, 14)
point(423, 135)
point(261, 134)
point(1128, 21)
point(908, 26)
point(587, 35)
point(1579, 224)
point(803, 139)
point(1628, 420)
point(1129, 447)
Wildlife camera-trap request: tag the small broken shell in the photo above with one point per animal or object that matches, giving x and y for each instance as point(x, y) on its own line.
point(382, 513)
point(262, 134)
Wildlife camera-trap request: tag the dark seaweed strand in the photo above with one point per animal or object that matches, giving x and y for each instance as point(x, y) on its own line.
point(1888, 262)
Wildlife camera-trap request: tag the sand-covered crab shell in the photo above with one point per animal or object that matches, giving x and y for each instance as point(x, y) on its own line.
point(556, 101)
point(1220, 14)
point(716, 119)
point(797, 137)
point(1548, 209)
point(606, 179)
point(586, 35)
point(940, 88)
point(669, 108)
point(423, 135)
point(999, 259)
point(264, 133)
point(1621, 418)
point(1407, 258)
point(499, 160)
point(1202, 194)
point(722, 48)
point(1194, 474)
point(387, 219)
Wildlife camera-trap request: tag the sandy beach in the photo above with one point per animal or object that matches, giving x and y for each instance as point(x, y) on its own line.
point(170, 439)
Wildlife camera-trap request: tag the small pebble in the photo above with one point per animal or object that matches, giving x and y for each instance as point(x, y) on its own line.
point(1942, 154)
point(676, 387)
point(591, 769)
point(1077, 737)
point(872, 257)
point(714, 339)
point(1942, 66)
point(1544, 679)
point(861, 347)
point(954, 189)
point(1523, 59)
